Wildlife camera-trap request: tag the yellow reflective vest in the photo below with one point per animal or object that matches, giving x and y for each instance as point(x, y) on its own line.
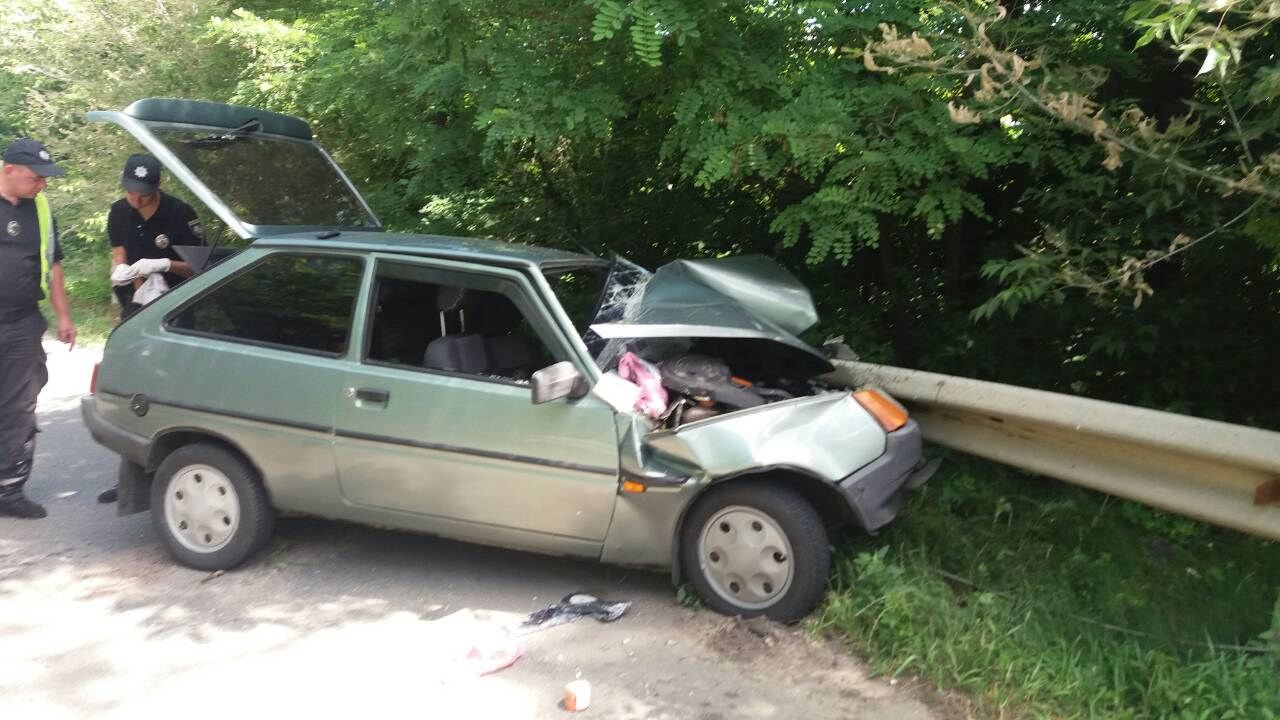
point(45, 221)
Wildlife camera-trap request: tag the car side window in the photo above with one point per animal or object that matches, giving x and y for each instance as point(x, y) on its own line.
point(302, 302)
point(429, 319)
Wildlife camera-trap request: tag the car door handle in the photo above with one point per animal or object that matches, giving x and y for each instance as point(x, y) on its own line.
point(372, 395)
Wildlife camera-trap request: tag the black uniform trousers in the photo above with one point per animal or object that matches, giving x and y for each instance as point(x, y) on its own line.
point(22, 375)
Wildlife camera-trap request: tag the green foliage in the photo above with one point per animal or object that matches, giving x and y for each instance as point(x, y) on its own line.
point(1035, 288)
point(1221, 30)
point(274, 54)
point(1044, 601)
point(63, 59)
point(662, 128)
point(652, 22)
point(665, 128)
point(93, 310)
point(1202, 148)
point(688, 597)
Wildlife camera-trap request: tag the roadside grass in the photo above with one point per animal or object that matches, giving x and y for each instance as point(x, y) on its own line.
point(688, 597)
point(1039, 599)
point(86, 276)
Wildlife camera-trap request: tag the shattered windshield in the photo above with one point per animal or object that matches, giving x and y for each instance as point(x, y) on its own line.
point(593, 294)
point(269, 180)
point(619, 302)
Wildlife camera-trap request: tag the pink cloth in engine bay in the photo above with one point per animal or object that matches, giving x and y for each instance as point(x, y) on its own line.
point(653, 397)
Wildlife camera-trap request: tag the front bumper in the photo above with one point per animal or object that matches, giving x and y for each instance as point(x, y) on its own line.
point(876, 491)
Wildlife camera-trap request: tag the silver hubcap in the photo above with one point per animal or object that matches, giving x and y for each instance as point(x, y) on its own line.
point(201, 508)
point(746, 557)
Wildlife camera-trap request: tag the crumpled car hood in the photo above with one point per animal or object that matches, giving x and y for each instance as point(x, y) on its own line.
point(749, 305)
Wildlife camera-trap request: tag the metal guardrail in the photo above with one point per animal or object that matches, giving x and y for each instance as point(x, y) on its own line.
point(1217, 472)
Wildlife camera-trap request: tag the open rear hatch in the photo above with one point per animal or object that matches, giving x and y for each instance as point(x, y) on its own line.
point(261, 173)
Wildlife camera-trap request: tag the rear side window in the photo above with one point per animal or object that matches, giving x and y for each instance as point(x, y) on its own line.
point(304, 302)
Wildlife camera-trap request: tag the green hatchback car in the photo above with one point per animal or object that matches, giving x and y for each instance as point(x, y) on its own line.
point(480, 390)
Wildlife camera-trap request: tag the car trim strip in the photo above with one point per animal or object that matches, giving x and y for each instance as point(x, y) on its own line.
point(593, 469)
point(480, 453)
point(229, 413)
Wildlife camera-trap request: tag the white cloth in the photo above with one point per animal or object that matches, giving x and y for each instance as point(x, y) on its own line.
point(154, 287)
point(621, 394)
point(150, 268)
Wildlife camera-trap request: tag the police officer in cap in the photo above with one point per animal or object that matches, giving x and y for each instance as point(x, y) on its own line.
point(30, 271)
point(143, 227)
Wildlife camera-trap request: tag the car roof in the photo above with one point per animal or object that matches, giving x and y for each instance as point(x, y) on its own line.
point(493, 252)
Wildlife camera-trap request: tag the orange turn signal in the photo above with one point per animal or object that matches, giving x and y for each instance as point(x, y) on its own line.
point(888, 413)
point(631, 486)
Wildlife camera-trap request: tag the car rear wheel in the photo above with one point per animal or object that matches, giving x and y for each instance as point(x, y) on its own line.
point(209, 507)
point(756, 548)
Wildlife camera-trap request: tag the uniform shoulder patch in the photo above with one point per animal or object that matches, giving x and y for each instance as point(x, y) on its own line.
point(196, 228)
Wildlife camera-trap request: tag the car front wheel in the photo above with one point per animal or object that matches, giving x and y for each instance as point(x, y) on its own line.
point(209, 507)
point(756, 548)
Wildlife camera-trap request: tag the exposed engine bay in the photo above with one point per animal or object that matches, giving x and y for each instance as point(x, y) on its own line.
point(700, 338)
point(695, 386)
point(702, 386)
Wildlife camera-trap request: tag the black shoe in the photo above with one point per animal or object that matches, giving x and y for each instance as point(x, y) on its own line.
point(107, 496)
point(22, 508)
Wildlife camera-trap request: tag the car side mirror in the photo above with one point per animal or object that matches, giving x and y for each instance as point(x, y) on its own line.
point(558, 381)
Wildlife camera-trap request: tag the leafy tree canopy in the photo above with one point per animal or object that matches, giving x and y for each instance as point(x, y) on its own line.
point(1074, 195)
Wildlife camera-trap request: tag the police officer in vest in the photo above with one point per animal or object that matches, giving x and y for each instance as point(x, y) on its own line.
point(30, 271)
point(143, 227)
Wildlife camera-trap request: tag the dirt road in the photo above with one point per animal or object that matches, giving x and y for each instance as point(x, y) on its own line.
point(340, 620)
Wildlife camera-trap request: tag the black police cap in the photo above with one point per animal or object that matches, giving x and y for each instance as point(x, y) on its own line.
point(34, 155)
point(141, 174)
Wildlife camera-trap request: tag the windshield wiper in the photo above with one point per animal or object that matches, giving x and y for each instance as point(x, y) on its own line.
point(217, 140)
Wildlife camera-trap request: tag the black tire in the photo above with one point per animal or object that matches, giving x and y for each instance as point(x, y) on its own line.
point(795, 522)
point(213, 475)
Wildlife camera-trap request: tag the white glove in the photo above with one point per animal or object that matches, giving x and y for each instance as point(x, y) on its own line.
point(146, 266)
point(122, 274)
